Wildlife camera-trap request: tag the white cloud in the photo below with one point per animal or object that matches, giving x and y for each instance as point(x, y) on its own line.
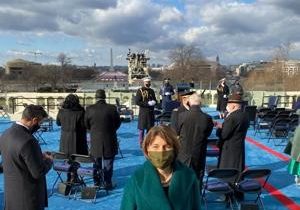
point(169, 15)
point(237, 31)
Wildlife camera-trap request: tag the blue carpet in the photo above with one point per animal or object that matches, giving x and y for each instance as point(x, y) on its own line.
point(133, 157)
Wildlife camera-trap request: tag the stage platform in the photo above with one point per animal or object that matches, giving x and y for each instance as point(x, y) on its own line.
point(280, 192)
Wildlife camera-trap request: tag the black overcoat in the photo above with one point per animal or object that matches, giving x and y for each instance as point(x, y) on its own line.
point(24, 170)
point(103, 121)
point(73, 131)
point(222, 98)
point(196, 128)
point(232, 140)
point(175, 124)
point(146, 113)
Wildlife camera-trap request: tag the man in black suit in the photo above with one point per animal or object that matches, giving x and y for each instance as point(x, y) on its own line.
point(196, 128)
point(103, 121)
point(232, 134)
point(25, 166)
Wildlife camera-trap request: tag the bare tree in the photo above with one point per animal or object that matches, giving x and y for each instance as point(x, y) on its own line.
point(54, 74)
point(188, 64)
point(63, 59)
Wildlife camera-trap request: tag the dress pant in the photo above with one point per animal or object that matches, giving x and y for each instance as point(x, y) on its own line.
point(106, 165)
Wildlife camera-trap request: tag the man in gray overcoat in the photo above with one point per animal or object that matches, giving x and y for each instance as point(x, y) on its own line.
point(24, 165)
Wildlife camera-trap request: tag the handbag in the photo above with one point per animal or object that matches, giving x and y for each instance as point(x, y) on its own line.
point(64, 188)
point(88, 192)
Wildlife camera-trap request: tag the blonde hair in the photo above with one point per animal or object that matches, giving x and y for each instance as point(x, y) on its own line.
point(165, 132)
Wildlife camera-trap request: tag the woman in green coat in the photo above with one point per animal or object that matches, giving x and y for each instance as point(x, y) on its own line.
point(294, 165)
point(162, 183)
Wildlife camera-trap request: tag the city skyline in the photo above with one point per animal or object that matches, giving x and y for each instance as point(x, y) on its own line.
point(236, 30)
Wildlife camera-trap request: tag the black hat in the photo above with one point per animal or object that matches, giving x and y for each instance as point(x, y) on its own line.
point(100, 94)
point(235, 98)
point(186, 93)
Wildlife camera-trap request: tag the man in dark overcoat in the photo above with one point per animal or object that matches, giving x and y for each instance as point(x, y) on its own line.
point(184, 106)
point(166, 91)
point(25, 166)
point(146, 100)
point(196, 128)
point(103, 121)
point(232, 134)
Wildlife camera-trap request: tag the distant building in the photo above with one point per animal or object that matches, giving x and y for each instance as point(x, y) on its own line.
point(291, 67)
point(18, 66)
point(244, 68)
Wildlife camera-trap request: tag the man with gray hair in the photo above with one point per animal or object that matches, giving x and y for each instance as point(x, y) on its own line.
point(24, 165)
point(196, 128)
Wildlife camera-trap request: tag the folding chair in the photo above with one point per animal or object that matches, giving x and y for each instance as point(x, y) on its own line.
point(48, 124)
point(262, 111)
point(3, 112)
point(279, 130)
point(39, 135)
point(216, 183)
point(251, 111)
point(126, 114)
point(61, 164)
point(273, 102)
point(164, 118)
point(265, 121)
point(86, 172)
point(252, 181)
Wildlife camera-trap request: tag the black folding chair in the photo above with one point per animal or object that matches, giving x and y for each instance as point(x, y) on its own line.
point(265, 122)
point(262, 111)
point(252, 181)
point(61, 164)
point(216, 183)
point(279, 130)
point(85, 173)
point(251, 112)
point(164, 118)
point(39, 135)
point(47, 124)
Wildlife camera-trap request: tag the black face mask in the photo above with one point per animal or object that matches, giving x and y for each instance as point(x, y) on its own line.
point(34, 128)
point(147, 85)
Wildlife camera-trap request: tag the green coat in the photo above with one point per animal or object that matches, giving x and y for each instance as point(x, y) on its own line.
point(295, 154)
point(144, 190)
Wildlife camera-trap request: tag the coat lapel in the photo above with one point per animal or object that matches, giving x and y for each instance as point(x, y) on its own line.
point(179, 186)
point(152, 188)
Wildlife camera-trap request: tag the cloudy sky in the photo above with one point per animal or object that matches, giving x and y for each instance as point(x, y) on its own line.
point(85, 30)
